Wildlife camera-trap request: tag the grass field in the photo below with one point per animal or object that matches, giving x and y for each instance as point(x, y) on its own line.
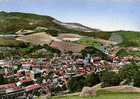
point(10, 43)
point(123, 53)
point(130, 38)
point(89, 42)
point(103, 96)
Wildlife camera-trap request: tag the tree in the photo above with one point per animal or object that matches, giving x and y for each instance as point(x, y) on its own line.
point(39, 80)
point(76, 83)
point(94, 52)
point(137, 79)
point(110, 78)
point(92, 79)
point(52, 32)
point(3, 80)
point(128, 72)
point(122, 53)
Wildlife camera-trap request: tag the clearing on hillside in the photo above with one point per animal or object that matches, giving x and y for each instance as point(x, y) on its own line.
point(37, 38)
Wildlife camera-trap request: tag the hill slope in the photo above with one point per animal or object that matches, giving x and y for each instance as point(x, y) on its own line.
point(14, 21)
point(129, 38)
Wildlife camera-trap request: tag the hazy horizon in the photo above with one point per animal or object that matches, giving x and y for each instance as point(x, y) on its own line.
point(100, 14)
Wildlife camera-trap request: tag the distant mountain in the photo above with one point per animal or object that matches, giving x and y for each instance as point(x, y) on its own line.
point(76, 26)
point(11, 22)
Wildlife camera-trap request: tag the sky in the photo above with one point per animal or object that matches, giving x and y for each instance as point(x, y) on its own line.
point(106, 15)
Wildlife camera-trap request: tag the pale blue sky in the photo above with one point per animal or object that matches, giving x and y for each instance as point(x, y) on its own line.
point(101, 14)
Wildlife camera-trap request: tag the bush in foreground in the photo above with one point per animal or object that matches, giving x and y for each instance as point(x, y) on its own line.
point(76, 83)
point(137, 79)
point(128, 72)
point(110, 78)
point(92, 79)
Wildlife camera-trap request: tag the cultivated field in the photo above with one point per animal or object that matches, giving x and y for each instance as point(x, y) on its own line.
point(37, 38)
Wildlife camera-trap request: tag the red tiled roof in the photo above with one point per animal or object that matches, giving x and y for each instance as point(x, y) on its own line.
point(11, 85)
point(32, 87)
point(7, 86)
point(24, 81)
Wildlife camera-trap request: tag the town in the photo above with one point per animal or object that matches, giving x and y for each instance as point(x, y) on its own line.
point(44, 76)
point(44, 54)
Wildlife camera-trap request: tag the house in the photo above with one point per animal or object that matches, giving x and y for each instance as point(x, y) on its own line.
point(10, 91)
point(32, 87)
